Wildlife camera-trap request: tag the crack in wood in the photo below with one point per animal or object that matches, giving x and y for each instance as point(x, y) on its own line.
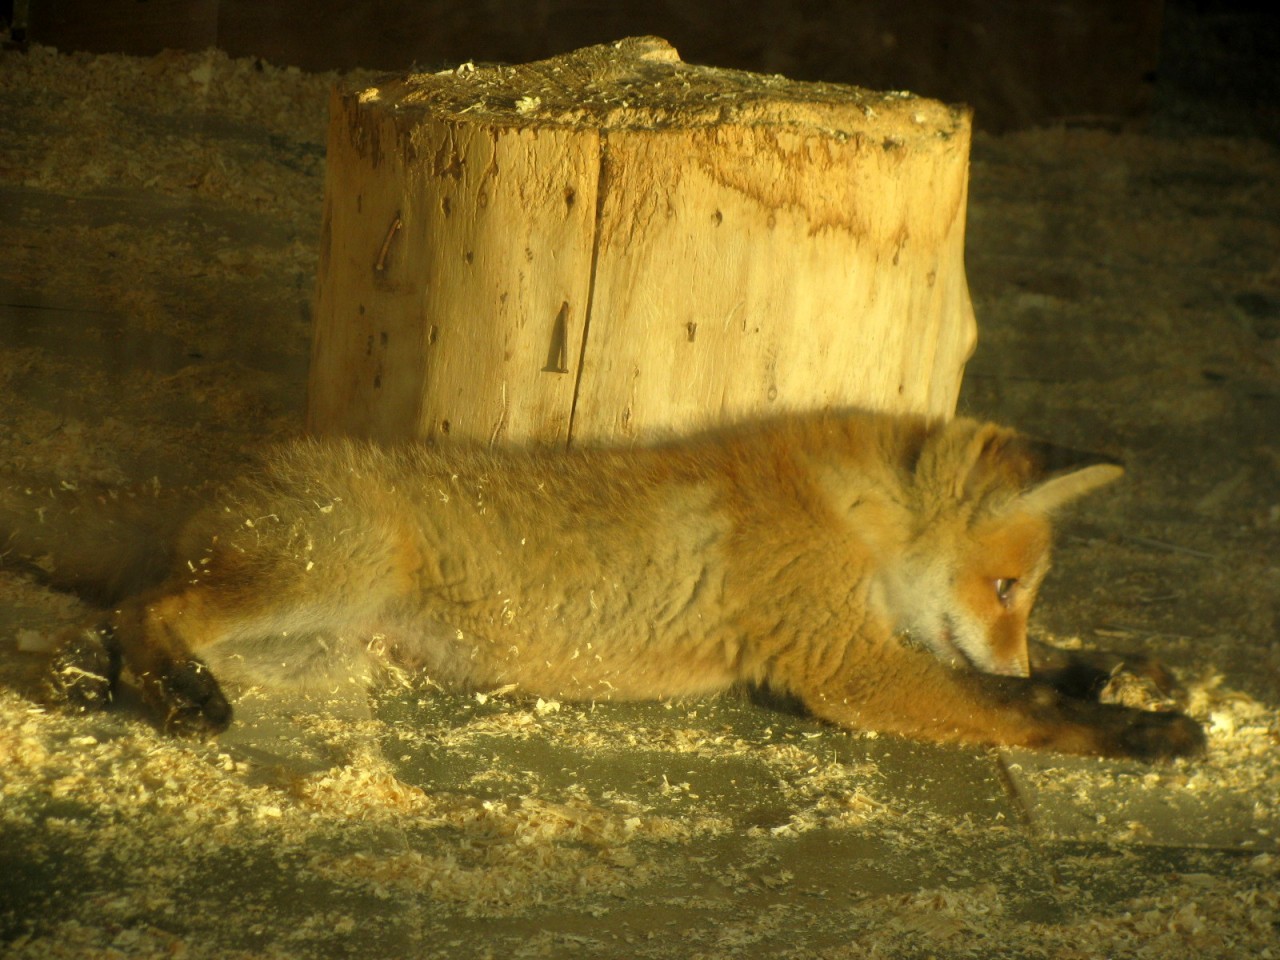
point(558, 352)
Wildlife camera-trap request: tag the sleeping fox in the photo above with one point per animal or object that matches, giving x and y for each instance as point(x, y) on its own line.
point(878, 569)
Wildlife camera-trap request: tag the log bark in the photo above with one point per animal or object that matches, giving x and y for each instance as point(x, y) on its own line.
point(614, 244)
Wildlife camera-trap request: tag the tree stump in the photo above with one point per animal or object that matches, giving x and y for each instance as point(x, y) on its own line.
point(614, 244)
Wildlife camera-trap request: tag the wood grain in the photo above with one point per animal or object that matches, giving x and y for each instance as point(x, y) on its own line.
point(616, 245)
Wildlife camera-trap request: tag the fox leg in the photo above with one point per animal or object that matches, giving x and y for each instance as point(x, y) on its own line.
point(153, 635)
point(892, 689)
point(277, 609)
point(1084, 673)
point(86, 667)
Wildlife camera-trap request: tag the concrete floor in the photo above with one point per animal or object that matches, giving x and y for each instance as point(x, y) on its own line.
point(149, 327)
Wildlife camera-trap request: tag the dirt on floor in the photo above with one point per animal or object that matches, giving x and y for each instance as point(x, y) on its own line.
point(160, 219)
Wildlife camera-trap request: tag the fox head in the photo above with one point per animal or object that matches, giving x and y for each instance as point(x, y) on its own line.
point(982, 497)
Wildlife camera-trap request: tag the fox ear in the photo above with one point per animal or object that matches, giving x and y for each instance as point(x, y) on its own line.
point(1060, 475)
point(1041, 476)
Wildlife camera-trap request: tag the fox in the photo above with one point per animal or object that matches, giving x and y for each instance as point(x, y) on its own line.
point(877, 569)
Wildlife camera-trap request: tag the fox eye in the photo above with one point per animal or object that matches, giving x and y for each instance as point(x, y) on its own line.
point(1004, 589)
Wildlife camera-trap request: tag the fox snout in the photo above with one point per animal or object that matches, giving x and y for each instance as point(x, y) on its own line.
point(964, 618)
point(966, 642)
point(998, 645)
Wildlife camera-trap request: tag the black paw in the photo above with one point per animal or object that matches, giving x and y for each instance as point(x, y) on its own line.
point(1156, 675)
point(1097, 674)
point(85, 670)
point(188, 699)
point(1150, 735)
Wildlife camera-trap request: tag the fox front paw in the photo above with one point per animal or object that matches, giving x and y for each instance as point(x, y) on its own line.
point(85, 670)
point(1107, 676)
point(1144, 682)
point(1070, 725)
point(1152, 735)
point(1124, 732)
point(188, 699)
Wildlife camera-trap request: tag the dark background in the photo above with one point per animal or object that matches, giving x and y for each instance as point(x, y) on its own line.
point(1210, 64)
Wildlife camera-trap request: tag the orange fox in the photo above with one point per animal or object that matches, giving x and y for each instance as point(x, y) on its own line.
point(879, 569)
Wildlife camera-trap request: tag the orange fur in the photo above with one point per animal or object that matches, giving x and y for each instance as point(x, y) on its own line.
point(880, 569)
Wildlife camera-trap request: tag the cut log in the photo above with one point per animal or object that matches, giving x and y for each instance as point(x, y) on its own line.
point(614, 244)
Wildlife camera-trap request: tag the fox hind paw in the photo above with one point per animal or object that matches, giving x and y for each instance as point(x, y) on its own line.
point(189, 699)
point(85, 670)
